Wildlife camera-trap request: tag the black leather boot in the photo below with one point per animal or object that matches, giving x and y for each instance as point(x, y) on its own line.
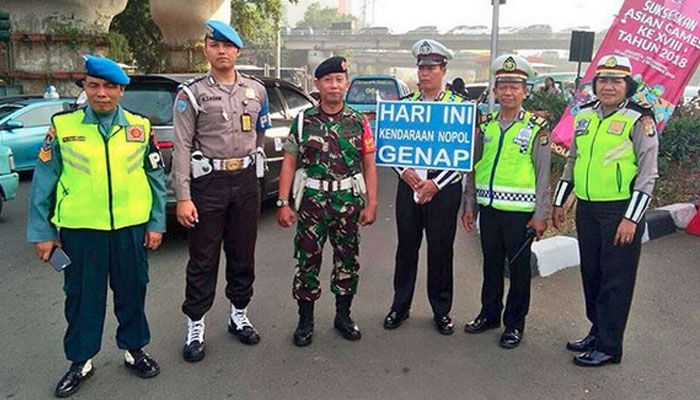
point(303, 335)
point(343, 323)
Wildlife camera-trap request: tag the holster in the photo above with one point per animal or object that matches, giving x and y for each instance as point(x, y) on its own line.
point(199, 164)
point(358, 184)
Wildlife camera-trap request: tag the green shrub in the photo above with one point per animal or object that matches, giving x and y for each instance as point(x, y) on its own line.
point(680, 140)
point(550, 106)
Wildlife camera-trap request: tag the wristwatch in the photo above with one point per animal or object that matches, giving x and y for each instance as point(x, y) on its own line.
point(282, 202)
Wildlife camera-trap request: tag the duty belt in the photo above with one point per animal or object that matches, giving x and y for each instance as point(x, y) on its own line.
point(232, 164)
point(329, 186)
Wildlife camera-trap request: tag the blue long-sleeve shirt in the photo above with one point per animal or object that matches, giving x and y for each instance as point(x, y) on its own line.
point(48, 171)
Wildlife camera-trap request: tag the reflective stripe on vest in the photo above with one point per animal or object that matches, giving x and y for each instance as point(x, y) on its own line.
point(605, 164)
point(103, 184)
point(505, 175)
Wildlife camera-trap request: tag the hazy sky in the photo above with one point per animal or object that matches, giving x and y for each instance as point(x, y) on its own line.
point(403, 15)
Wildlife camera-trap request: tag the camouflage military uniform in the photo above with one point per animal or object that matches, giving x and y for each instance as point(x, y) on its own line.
point(331, 149)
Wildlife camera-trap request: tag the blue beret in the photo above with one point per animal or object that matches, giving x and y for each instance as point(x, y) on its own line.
point(223, 32)
point(330, 66)
point(106, 69)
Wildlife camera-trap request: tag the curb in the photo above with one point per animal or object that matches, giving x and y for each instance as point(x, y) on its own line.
point(561, 252)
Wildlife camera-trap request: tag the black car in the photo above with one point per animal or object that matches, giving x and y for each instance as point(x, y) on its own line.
point(153, 97)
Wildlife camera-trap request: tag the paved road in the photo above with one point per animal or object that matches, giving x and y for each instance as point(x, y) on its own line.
point(413, 362)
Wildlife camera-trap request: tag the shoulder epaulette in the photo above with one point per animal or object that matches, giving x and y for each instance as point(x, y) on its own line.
point(485, 118)
point(408, 96)
point(65, 112)
point(539, 121)
point(252, 77)
point(644, 109)
point(192, 81)
point(590, 104)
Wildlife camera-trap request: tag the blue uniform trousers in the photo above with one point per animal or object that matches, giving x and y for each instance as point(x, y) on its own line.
point(99, 257)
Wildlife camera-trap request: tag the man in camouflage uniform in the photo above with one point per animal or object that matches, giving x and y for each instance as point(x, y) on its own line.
point(335, 147)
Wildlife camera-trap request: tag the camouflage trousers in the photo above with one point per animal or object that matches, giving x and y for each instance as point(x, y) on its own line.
point(327, 215)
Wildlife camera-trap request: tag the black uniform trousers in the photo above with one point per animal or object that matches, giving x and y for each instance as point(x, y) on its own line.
point(228, 205)
point(98, 257)
point(608, 272)
point(502, 235)
point(439, 220)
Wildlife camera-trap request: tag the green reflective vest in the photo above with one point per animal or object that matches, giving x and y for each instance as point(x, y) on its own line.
point(103, 184)
point(605, 161)
point(505, 175)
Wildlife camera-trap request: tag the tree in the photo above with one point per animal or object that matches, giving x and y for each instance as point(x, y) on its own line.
point(317, 17)
point(142, 34)
point(257, 21)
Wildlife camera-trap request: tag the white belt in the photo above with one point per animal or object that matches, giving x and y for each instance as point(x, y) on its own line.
point(329, 186)
point(232, 164)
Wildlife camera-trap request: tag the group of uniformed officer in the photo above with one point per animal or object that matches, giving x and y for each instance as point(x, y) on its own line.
point(100, 182)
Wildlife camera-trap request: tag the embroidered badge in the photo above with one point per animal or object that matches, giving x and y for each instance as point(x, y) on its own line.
point(135, 133)
point(649, 127)
point(45, 152)
point(543, 136)
point(616, 127)
point(582, 127)
point(509, 64)
point(250, 93)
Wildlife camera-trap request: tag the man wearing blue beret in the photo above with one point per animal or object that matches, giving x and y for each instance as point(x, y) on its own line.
point(98, 195)
point(220, 120)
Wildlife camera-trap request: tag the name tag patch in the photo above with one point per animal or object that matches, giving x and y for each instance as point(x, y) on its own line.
point(582, 127)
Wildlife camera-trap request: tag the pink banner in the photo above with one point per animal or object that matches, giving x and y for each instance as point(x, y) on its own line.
point(662, 39)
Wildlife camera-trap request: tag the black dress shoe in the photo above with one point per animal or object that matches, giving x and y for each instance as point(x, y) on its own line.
point(595, 358)
point(511, 338)
point(481, 324)
point(71, 381)
point(245, 333)
point(394, 319)
point(581, 345)
point(141, 364)
point(444, 325)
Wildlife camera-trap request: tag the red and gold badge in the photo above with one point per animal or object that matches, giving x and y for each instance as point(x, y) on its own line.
point(135, 133)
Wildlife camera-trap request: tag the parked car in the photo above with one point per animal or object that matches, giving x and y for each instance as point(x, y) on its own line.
point(9, 179)
point(426, 29)
point(301, 31)
point(375, 30)
point(153, 97)
point(470, 30)
point(23, 126)
point(365, 90)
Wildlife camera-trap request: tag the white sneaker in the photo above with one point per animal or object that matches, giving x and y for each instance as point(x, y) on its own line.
point(195, 331)
point(240, 326)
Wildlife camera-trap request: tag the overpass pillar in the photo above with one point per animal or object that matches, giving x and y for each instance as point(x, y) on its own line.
point(50, 37)
point(182, 25)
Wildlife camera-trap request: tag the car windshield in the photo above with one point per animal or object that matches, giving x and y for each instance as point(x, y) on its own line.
point(152, 100)
point(366, 91)
point(8, 109)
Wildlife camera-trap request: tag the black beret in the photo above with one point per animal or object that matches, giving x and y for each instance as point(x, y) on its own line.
point(330, 66)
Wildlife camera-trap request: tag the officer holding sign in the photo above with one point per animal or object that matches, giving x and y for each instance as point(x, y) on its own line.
point(426, 201)
point(612, 169)
point(510, 186)
point(220, 121)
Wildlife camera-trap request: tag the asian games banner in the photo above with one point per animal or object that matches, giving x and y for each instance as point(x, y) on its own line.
point(662, 39)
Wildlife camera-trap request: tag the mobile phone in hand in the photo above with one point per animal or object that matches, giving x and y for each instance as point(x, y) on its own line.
point(59, 259)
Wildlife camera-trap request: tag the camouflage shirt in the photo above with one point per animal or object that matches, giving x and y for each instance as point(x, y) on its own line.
point(332, 146)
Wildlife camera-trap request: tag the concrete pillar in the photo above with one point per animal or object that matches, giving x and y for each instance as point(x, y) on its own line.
point(182, 25)
point(50, 37)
